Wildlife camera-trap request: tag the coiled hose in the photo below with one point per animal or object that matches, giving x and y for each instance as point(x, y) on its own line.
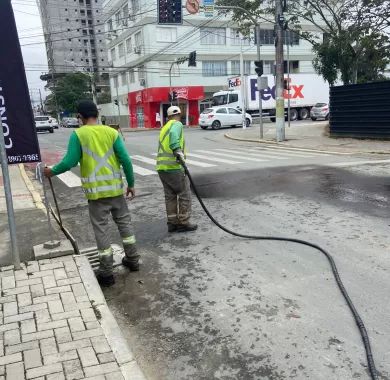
point(358, 319)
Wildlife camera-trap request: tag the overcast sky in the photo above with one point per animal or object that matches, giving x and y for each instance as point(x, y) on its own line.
point(30, 32)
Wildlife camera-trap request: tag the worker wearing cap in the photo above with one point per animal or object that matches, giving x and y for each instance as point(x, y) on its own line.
point(176, 184)
point(101, 153)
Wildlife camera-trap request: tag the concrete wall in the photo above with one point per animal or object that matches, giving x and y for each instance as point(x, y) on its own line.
point(110, 111)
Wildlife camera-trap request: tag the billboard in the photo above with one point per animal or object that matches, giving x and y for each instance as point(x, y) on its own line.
point(16, 114)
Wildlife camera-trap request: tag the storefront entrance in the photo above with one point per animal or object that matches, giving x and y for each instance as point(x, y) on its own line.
point(184, 112)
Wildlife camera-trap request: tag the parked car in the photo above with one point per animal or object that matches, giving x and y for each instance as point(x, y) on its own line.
point(53, 122)
point(320, 111)
point(42, 123)
point(217, 117)
point(70, 122)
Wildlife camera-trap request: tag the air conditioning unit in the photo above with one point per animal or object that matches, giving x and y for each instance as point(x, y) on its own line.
point(142, 82)
point(137, 50)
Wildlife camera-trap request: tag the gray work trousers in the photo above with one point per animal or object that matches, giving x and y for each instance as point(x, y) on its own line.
point(177, 196)
point(99, 212)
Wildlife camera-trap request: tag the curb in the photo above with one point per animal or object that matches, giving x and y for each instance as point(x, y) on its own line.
point(123, 355)
point(35, 195)
point(297, 147)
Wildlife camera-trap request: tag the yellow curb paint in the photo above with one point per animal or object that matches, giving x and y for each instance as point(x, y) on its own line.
point(35, 195)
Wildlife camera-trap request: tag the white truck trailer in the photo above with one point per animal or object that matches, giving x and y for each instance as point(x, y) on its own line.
point(305, 91)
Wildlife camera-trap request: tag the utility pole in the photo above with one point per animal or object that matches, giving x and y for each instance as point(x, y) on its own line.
point(279, 80)
point(40, 98)
point(243, 105)
point(259, 83)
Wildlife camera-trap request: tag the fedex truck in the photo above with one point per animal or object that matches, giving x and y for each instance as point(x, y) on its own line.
point(305, 91)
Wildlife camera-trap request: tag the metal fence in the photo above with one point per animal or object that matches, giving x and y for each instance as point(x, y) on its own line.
point(360, 110)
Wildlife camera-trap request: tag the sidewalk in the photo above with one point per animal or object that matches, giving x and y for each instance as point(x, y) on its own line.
point(55, 324)
point(310, 136)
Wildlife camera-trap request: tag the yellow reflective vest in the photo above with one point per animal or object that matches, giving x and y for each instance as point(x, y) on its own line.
point(101, 175)
point(166, 160)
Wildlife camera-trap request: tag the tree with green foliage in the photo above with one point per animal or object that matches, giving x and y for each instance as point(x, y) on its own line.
point(350, 41)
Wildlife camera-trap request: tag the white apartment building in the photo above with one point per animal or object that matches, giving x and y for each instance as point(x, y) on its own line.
point(141, 52)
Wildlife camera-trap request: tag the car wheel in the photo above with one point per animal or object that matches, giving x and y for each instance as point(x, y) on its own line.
point(313, 118)
point(203, 126)
point(216, 124)
point(304, 114)
point(248, 123)
point(51, 130)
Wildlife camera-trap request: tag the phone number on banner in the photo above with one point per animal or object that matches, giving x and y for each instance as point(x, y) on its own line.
point(23, 158)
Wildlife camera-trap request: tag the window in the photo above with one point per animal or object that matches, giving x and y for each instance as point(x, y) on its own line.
point(266, 37)
point(213, 36)
point(237, 38)
point(134, 7)
point(117, 18)
point(233, 111)
point(268, 67)
point(121, 50)
point(129, 46)
point(125, 12)
point(221, 110)
point(123, 79)
point(141, 73)
point(138, 39)
point(109, 25)
point(214, 68)
point(291, 38)
point(166, 34)
point(131, 76)
point(115, 81)
point(294, 67)
point(236, 68)
point(113, 54)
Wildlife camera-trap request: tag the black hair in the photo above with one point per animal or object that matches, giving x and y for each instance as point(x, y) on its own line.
point(87, 109)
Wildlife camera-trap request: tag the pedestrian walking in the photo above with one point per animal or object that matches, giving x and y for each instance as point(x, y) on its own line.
point(176, 183)
point(101, 153)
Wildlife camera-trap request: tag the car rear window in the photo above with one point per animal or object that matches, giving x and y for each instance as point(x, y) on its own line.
point(319, 105)
point(208, 110)
point(41, 118)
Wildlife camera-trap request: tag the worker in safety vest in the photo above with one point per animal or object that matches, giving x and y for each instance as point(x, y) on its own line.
point(101, 153)
point(176, 184)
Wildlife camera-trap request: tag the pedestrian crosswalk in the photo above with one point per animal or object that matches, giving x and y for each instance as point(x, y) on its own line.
point(144, 165)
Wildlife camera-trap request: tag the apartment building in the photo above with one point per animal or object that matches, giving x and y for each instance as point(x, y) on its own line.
point(141, 52)
point(75, 38)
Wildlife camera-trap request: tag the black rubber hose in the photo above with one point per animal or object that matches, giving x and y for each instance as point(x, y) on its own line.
point(358, 319)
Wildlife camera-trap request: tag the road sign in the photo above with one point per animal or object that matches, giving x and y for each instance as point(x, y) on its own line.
point(20, 136)
point(170, 12)
point(192, 6)
point(208, 6)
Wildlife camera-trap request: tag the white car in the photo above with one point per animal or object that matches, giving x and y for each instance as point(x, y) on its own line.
point(218, 117)
point(42, 124)
point(53, 122)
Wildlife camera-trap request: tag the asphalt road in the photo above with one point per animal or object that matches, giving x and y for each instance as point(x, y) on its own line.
point(210, 306)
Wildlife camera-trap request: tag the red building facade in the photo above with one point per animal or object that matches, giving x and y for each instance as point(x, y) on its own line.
point(148, 107)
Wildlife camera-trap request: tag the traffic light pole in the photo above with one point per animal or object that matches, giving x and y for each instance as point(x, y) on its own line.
point(170, 80)
point(259, 84)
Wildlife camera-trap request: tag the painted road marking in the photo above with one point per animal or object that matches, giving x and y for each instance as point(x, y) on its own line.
point(284, 153)
point(253, 154)
point(296, 151)
point(212, 158)
point(147, 160)
point(70, 179)
point(195, 163)
point(141, 171)
point(357, 163)
point(229, 155)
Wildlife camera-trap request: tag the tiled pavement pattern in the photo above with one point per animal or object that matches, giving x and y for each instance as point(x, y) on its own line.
point(48, 327)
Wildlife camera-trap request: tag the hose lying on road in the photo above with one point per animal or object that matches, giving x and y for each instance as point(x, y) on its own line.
point(358, 319)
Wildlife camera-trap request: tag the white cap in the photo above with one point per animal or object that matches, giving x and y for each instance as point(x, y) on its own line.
point(174, 110)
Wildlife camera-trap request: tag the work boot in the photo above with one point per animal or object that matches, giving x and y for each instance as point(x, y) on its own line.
point(105, 281)
point(131, 259)
point(172, 227)
point(186, 227)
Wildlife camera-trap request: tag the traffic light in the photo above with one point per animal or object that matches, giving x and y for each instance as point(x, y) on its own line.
point(192, 59)
point(116, 102)
point(259, 68)
point(172, 96)
point(170, 12)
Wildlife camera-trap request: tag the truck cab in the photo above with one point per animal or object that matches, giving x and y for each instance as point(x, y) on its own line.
point(231, 98)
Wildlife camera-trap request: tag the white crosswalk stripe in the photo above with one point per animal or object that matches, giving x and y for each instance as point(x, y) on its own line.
point(147, 160)
point(70, 179)
point(304, 153)
point(144, 172)
point(229, 155)
point(195, 163)
point(251, 154)
point(211, 157)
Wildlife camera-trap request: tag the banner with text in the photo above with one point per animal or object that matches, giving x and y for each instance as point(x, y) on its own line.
point(16, 114)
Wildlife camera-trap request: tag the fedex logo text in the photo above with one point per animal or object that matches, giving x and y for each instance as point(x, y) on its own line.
point(234, 82)
point(296, 91)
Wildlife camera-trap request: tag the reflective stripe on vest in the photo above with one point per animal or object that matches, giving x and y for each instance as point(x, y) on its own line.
point(101, 189)
point(166, 160)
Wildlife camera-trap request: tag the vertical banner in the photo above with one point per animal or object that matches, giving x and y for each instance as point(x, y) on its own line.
point(21, 141)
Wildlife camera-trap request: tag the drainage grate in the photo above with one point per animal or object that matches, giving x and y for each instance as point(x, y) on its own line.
point(93, 256)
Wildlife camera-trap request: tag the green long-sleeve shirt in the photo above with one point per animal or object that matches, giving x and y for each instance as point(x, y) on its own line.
point(74, 154)
point(175, 135)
